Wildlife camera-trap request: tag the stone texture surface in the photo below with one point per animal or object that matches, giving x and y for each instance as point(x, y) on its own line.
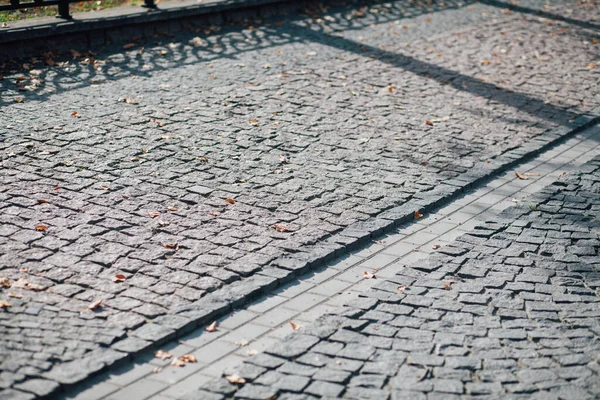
point(509, 310)
point(331, 125)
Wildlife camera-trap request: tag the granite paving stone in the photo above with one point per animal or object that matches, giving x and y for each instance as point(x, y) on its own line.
point(512, 345)
point(150, 190)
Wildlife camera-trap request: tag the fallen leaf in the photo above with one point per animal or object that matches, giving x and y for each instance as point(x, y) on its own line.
point(119, 278)
point(418, 214)
point(436, 246)
point(4, 304)
point(22, 283)
point(235, 379)
point(212, 327)
point(295, 326)
point(95, 304)
point(41, 228)
point(57, 188)
point(368, 275)
point(41, 201)
point(338, 362)
point(178, 363)
point(4, 282)
point(402, 288)
point(214, 213)
point(172, 246)
point(128, 100)
point(242, 343)
point(15, 295)
point(156, 370)
point(104, 187)
point(188, 358)
point(128, 46)
point(197, 42)
point(448, 284)
point(252, 352)
point(173, 208)
point(18, 99)
point(281, 228)
point(428, 122)
point(162, 223)
point(284, 159)
point(163, 355)
point(230, 201)
point(153, 214)
point(521, 176)
point(74, 114)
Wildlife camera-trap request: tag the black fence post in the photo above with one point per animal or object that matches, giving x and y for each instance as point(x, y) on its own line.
point(149, 4)
point(63, 9)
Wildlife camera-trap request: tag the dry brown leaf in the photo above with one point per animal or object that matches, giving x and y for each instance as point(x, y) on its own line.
point(22, 283)
point(436, 246)
point(96, 304)
point(119, 278)
point(521, 176)
point(128, 100)
point(368, 275)
point(104, 187)
point(448, 284)
point(197, 42)
point(295, 326)
point(156, 370)
point(242, 343)
point(178, 363)
point(188, 358)
point(428, 122)
point(41, 201)
point(417, 214)
point(402, 288)
point(214, 213)
point(281, 228)
point(153, 214)
point(41, 228)
point(172, 246)
point(252, 352)
point(4, 282)
point(235, 379)
point(163, 355)
point(15, 295)
point(212, 327)
point(74, 114)
point(34, 286)
point(4, 304)
point(230, 201)
point(173, 208)
point(128, 46)
point(283, 159)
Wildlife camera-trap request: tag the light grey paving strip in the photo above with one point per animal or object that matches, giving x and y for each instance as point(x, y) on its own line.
point(262, 323)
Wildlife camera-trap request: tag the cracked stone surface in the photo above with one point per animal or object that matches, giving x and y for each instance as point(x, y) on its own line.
point(318, 129)
point(509, 310)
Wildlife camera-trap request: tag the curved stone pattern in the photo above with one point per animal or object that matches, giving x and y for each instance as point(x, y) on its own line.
point(333, 126)
point(510, 310)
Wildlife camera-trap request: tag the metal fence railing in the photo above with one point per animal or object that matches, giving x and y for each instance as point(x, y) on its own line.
point(63, 5)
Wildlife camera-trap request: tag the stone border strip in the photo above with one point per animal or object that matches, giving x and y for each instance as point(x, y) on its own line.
point(115, 25)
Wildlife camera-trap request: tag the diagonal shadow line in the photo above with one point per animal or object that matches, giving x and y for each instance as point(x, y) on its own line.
point(540, 13)
point(465, 83)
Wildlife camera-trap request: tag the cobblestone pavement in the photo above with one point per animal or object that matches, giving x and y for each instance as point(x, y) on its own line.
point(261, 324)
point(507, 311)
point(333, 127)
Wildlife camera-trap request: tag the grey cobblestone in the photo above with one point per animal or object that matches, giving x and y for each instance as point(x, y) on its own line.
point(140, 189)
point(490, 346)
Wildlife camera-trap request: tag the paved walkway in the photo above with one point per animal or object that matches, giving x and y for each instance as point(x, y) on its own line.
point(508, 310)
point(263, 323)
point(176, 180)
